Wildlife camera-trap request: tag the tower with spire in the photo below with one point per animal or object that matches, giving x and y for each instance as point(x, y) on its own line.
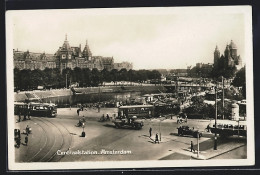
point(86, 53)
point(231, 59)
point(64, 55)
point(216, 56)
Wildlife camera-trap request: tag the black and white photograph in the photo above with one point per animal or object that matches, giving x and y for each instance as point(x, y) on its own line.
point(148, 87)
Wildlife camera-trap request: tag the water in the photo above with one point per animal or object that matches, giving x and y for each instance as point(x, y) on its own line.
point(92, 98)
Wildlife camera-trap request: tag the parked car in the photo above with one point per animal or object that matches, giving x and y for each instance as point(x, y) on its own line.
point(185, 130)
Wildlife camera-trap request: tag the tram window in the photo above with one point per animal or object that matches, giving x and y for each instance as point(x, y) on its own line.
point(220, 126)
point(241, 127)
point(230, 126)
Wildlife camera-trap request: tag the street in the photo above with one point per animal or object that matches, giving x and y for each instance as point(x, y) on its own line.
point(59, 140)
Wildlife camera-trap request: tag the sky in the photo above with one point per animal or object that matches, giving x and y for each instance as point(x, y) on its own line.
point(150, 38)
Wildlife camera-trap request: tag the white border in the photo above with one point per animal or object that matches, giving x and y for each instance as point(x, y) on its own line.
point(246, 10)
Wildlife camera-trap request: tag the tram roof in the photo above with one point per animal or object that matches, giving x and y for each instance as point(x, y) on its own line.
point(136, 106)
point(47, 104)
point(231, 122)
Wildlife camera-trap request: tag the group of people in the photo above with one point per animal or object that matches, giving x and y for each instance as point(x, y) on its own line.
point(103, 118)
point(25, 115)
point(17, 137)
point(181, 119)
point(156, 140)
point(81, 121)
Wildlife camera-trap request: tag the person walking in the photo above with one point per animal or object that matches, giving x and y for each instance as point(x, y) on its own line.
point(78, 111)
point(26, 139)
point(192, 147)
point(29, 116)
point(18, 142)
point(186, 118)
point(19, 116)
point(24, 116)
point(156, 138)
point(150, 131)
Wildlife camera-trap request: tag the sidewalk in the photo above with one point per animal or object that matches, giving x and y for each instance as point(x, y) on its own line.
point(207, 151)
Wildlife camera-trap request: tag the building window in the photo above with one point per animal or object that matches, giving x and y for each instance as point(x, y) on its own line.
point(63, 56)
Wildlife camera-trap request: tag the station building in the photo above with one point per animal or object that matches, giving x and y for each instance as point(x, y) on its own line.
point(66, 57)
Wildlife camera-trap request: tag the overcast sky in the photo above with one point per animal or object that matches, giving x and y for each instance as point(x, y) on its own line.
point(148, 37)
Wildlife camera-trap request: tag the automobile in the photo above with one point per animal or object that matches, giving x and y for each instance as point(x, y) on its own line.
point(185, 130)
point(132, 122)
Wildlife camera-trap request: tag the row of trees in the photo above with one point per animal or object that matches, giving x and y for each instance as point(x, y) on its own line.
point(30, 79)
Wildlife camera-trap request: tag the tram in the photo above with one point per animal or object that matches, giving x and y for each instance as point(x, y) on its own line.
point(140, 111)
point(36, 109)
point(227, 128)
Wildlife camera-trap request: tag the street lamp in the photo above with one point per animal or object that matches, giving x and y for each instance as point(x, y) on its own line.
point(223, 102)
point(160, 128)
point(216, 115)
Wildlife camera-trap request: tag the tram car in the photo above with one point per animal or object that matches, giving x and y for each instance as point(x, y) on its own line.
point(36, 109)
point(227, 128)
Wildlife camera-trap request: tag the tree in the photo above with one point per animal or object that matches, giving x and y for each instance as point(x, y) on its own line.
point(105, 75)
point(86, 77)
point(240, 80)
point(37, 78)
point(17, 79)
point(114, 75)
point(95, 77)
point(77, 75)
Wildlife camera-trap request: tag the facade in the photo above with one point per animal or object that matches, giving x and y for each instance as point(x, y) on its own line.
point(230, 57)
point(66, 57)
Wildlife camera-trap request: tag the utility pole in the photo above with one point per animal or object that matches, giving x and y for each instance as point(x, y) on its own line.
point(66, 80)
point(216, 115)
point(223, 102)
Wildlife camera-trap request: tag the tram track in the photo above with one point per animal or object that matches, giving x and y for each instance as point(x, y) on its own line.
point(66, 144)
point(56, 139)
point(45, 142)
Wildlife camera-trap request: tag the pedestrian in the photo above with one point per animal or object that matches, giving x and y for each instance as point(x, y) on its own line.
point(108, 117)
point(19, 116)
point(186, 118)
point(78, 111)
point(192, 147)
point(83, 119)
point(27, 129)
point(156, 138)
point(82, 108)
point(26, 139)
point(29, 117)
point(24, 116)
point(208, 128)
point(150, 131)
point(18, 142)
point(19, 134)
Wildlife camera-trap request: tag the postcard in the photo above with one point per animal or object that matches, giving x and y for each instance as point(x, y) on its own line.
point(115, 88)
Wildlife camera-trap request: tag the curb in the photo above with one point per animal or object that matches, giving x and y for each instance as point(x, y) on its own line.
point(225, 152)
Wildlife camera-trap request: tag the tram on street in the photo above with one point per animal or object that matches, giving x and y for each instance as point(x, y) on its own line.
point(36, 109)
point(140, 111)
point(227, 128)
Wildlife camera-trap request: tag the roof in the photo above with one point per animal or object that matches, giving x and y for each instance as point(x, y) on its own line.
point(135, 106)
point(232, 45)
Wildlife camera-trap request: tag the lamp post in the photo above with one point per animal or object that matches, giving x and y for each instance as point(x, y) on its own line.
point(198, 143)
point(216, 115)
point(66, 80)
point(223, 102)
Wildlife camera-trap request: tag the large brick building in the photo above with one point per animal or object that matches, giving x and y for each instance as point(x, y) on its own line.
point(66, 57)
